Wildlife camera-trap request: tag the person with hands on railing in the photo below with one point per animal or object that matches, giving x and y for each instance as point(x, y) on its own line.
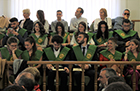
point(111, 54)
point(57, 52)
point(84, 52)
point(31, 53)
point(132, 53)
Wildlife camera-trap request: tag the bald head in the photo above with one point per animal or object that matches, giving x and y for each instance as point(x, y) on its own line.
point(26, 80)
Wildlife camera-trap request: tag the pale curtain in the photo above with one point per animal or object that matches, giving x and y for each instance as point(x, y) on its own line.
point(13, 8)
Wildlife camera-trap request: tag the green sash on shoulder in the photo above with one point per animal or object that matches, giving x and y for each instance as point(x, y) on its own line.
point(131, 57)
point(21, 32)
point(65, 37)
point(90, 35)
point(89, 55)
point(5, 53)
point(50, 54)
point(40, 39)
point(37, 56)
point(123, 35)
point(101, 40)
point(117, 56)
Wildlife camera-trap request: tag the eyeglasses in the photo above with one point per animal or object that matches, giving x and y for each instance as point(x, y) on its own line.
point(126, 25)
point(126, 14)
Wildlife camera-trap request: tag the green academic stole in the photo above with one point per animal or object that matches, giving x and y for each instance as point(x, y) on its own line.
point(124, 35)
point(21, 32)
point(65, 37)
point(5, 53)
point(101, 40)
point(50, 54)
point(131, 57)
point(36, 57)
point(90, 35)
point(1, 35)
point(39, 40)
point(117, 56)
point(89, 55)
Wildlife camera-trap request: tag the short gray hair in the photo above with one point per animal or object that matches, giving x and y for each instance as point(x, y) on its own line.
point(109, 72)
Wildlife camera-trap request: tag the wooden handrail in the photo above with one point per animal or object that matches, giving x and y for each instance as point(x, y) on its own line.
point(134, 22)
point(96, 63)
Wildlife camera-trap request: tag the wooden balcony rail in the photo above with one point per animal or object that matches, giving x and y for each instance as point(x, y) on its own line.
point(134, 22)
point(70, 63)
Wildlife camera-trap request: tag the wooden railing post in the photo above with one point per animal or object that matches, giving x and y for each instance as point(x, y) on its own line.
point(83, 78)
point(95, 78)
point(44, 77)
point(70, 77)
point(134, 77)
point(57, 77)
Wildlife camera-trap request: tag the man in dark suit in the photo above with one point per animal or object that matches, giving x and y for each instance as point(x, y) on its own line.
point(84, 52)
point(57, 52)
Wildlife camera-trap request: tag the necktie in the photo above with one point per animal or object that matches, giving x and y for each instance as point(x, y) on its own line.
point(84, 51)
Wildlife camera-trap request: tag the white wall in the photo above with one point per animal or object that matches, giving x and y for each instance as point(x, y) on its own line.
point(134, 6)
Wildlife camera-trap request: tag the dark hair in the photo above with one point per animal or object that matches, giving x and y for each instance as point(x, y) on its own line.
point(27, 81)
point(137, 43)
point(12, 40)
point(99, 32)
point(109, 72)
point(82, 11)
point(58, 39)
point(113, 39)
point(82, 23)
point(115, 78)
point(13, 19)
point(41, 27)
point(41, 16)
point(59, 11)
point(62, 26)
point(125, 21)
point(118, 86)
point(126, 10)
point(31, 40)
point(14, 88)
point(85, 35)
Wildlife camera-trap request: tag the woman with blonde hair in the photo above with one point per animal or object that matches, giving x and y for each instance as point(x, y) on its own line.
point(103, 17)
point(26, 23)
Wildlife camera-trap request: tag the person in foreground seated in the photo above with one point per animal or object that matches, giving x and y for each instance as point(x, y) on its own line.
point(11, 52)
point(26, 23)
point(132, 53)
point(84, 52)
point(57, 52)
point(35, 72)
point(118, 86)
point(31, 53)
point(17, 31)
point(76, 20)
point(104, 75)
point(81, 28)
point(118, 20)
point(111, 54)
point(14, 88)
point(125, 35)
point(25, 80)
point(60, 30)
point(115, 78)
point(59, 19)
